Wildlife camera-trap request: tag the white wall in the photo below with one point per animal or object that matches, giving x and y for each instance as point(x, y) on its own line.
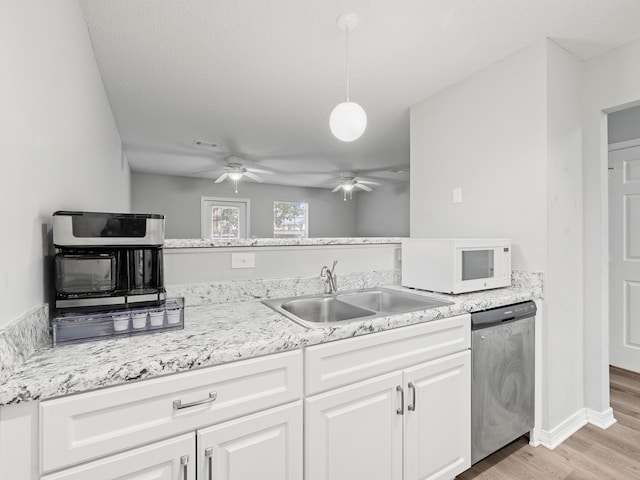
point(510, 137)
point(563, 299)
point(487, 135)
point(59, 145)
point(611, 82)
point(178, 198)
point(205, 265)
point(384, 212)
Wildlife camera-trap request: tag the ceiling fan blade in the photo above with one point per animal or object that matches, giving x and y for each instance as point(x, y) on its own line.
point(367, 182)
point(337, 188)
point(221, 177)
point(253, 177)
point(363, 187)
point(258, 170)
point(205, 171)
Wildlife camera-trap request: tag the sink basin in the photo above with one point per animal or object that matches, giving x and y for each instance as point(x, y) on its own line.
point(320, 310)
point(324, 309)
point(390, 301)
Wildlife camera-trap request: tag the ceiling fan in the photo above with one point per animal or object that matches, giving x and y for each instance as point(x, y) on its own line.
point(235, 170)
point(348, 182)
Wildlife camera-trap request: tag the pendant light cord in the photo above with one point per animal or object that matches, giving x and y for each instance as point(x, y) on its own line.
point(347, 34)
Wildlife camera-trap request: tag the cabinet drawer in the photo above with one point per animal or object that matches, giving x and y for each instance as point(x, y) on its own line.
point(347, 361)
point(78, 428)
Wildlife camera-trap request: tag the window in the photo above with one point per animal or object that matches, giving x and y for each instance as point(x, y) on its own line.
point(224, 218)
point(290, 219)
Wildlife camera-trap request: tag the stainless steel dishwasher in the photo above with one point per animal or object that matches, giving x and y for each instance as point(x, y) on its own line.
point(502, 377)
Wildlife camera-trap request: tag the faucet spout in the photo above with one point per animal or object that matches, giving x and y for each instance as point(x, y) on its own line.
point(330, 276)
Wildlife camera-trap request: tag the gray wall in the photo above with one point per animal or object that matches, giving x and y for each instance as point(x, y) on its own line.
point(624, 125)
point(383, 212)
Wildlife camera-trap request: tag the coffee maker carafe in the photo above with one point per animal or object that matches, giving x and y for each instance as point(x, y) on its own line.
point(108, 260)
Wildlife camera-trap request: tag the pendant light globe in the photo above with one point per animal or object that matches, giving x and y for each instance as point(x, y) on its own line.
point(348, 121)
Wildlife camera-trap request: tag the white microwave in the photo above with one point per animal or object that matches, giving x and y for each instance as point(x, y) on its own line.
point(456, 265)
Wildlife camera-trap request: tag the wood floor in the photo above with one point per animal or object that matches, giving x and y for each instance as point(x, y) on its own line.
point(590, 454)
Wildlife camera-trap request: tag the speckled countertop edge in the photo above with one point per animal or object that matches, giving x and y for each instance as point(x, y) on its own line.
point(276, 242)
point(213, 335)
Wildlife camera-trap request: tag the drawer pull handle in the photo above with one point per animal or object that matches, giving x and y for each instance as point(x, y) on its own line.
point(412, 405)
point(400, 411)
point(184, 461)
point(208, 452)
point(178, 405)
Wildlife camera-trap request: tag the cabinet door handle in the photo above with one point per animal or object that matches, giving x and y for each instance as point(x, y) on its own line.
point(412, 405)
point(208, 452)
point(400, 411)
point(184, 461)
point(178, 405)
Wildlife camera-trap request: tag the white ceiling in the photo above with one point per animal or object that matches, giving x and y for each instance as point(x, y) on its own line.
point(260, 78)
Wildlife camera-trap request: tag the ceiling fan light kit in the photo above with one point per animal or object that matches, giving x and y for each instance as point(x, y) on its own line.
point(348, 120)
point(234, 170)
point(348, 183)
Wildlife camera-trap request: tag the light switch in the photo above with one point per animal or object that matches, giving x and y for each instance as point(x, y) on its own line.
point(457, 195)
point(243, 260)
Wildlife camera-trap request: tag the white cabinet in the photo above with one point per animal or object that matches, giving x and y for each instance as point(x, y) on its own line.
point(265, 446)
point(393, 405)
point(248, 413)
point(412, 423)
point(172, 459)
point(355, 432)
point(437, 428)
point(78, 428)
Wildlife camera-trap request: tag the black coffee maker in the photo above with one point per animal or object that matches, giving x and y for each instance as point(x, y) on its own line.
point(108, 260)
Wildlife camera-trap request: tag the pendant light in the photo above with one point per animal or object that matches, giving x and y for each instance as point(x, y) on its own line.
point(348, 120)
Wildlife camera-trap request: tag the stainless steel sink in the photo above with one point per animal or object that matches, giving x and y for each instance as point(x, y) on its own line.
point(390, 301)
point(320, 310)
point(324, 309)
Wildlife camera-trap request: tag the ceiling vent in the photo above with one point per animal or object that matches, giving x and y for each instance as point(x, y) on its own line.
point(204, 143)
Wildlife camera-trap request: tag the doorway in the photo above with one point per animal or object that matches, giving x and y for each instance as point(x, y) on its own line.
point(624, 239)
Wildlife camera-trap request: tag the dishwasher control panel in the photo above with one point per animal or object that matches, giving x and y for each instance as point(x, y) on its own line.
point(502, 314)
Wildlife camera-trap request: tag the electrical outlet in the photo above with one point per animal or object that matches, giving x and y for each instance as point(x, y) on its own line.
point(243, 260)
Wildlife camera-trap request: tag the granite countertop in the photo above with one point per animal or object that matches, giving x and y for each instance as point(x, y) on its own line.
point(170, 243)
point(213, 335)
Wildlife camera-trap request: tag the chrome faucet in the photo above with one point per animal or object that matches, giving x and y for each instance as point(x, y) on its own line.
point(331, 277)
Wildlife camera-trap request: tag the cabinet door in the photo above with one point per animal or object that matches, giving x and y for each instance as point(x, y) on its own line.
point(437, 434)
point(355, 432)
point(266, 446)
point(172, 459)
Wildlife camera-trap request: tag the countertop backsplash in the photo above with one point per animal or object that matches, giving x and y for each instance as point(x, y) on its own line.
point(258, 289)
point(20, 338)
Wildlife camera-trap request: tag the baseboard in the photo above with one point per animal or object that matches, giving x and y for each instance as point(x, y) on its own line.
point(601, 419)
point(552, 438)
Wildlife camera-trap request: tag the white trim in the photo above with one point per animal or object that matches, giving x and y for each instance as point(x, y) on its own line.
point(601, 419)
point(245, 202)
point(552, 438)
point(626, 144)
